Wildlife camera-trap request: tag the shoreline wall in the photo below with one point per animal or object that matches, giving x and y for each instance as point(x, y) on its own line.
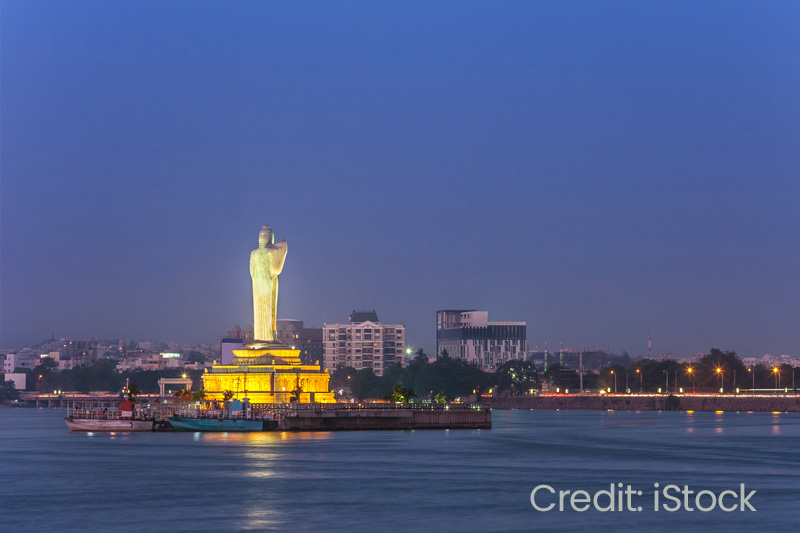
point(764, 404)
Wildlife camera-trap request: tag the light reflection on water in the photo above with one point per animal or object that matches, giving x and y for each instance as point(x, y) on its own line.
point(427, 480)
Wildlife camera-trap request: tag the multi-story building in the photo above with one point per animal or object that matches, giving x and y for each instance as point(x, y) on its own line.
point(363, 343)
point(23, 359)
point(78, 353)
point(307, 340)
point(239, 333)
point(468, 335)
point(236, 339)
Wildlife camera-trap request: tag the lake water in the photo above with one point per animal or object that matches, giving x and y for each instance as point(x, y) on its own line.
point(465, 480)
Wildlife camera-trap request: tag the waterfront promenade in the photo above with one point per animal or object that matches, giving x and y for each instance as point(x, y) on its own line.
point(761, 403)
point(652, 402)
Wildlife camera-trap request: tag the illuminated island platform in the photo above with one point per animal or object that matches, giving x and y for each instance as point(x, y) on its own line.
point(268, 373)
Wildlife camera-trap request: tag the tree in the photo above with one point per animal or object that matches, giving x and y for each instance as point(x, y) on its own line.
point(8, 391)
point(612, 377)
point(400, 394)
point(343, 377)
point(184, 395)
point(441, 398)
point(195, 357)
point(421, 356)
point(133, 391)
point(227, 395)
point(365, 384)
point(562, 378)
point(199, 394)
point(717, 368)
point(517, 376)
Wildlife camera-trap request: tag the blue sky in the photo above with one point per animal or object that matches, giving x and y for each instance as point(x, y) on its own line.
point(599, 169)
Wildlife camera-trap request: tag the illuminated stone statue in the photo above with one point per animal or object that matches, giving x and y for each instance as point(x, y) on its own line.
point(266, 262)
point(265, 370)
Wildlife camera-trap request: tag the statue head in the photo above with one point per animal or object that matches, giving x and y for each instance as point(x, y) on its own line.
point(265, 237)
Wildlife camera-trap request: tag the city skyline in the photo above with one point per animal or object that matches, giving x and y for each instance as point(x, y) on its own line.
point(595, 179)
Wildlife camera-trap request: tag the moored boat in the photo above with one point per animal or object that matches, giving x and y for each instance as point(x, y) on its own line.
point(101, 425)
point(234, 415)
point(181, 423)
point(126, 418)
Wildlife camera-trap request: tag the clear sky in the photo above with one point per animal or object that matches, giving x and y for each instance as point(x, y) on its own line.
point(599, 169)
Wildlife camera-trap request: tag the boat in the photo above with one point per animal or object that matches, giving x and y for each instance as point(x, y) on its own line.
point(101, 425)
point(182, 423)
point(126, 418)
point(235, 415)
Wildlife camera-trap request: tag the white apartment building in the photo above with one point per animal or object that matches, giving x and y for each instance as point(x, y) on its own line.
point(22, 359)
point(468, 335)
point(363, 343)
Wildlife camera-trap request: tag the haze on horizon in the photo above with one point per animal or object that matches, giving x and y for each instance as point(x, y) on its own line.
point(599, 170)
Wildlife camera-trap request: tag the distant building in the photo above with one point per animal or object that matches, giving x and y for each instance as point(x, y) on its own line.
point(363, 343)
point(21, 359)
point(239, 333)
point(129, 364)
point(226, 348)
point(307, 340)
point(592, 360)
point(468, 335)
point(19, 379)
point(78, 353)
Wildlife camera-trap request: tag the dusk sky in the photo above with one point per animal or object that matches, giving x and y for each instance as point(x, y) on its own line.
point(598, 169)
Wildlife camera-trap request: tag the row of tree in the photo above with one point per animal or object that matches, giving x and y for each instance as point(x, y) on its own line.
point(443, 379)
point(715, 370)
point(101, 376)
point(448, 378)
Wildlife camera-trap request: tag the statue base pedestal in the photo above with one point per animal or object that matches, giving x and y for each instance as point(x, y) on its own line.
point(266, 353)
point(268, 372)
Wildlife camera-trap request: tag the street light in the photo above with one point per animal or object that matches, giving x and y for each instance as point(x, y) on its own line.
point(641, 380)
point(615, 381)
point(754, 377)
point(777, 373)
point(690, 371)
point(666, 389)
point(719, 371)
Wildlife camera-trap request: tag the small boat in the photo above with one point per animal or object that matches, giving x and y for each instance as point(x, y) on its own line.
point(124, 419)
point(182, 423)
point(105, 425)
point(235, 415)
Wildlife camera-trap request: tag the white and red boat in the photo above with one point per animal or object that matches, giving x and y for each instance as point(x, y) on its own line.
point(126, 418)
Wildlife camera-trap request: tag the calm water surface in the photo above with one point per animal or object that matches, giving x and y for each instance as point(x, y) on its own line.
point(54, 480)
